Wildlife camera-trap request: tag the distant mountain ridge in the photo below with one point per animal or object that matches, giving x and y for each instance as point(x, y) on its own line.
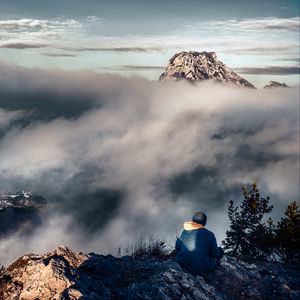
point(274, 84)
point(22, 199)
point(198, 66)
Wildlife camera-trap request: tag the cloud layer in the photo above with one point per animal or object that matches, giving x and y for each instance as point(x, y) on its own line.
point(271, 70)
point(119, 158)
point(88, 35)
point(254, 24)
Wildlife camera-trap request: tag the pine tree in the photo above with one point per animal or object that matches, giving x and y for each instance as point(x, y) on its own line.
point(248, 236)
point(288, 234)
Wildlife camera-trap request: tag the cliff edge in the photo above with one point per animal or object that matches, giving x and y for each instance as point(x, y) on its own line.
point(65, 274)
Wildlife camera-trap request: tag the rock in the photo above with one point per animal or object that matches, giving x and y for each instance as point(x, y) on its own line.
point(64, 274)
point(274, 84)
point(40, 276)
point(198, 66)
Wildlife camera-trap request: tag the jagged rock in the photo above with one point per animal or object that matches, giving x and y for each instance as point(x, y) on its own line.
point(40, 276)
point(273, 84)
point(64, 274)
point(197, 66)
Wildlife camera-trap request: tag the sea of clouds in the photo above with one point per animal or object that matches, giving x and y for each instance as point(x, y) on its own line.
point(119, 158)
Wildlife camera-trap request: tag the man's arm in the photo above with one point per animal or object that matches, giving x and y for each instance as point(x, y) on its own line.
point(214, 250)
point(178, 244)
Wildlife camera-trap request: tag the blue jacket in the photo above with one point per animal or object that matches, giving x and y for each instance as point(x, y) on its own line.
point(197, 251)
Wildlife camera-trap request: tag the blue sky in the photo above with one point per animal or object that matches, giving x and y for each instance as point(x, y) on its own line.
point(260, 39)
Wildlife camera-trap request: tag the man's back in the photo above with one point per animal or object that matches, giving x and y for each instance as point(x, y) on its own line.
point(197, 251)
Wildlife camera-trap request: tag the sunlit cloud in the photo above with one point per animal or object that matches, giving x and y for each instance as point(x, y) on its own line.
point(22, 24)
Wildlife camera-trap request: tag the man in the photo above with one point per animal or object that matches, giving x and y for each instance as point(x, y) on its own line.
point(196, 249)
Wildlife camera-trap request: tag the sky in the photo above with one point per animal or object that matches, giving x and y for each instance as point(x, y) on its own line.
point(259, 39)
point(119, 155)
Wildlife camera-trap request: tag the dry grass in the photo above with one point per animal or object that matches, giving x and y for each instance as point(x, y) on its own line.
point(153, 247)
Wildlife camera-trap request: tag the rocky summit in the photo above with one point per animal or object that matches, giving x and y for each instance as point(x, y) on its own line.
point(274, 84)
point(198, 66)
point(64, 274)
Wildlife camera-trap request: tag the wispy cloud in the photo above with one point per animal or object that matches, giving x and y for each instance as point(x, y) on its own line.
point(286, 24)
point(247, 37)
point(23, 24)
point(37, 24)
point(255, 24)
point(59, 54)
point(22, 45)
point(114, 49)
point(133, 68)
point(35, 33)
point(293, 59)
point(275, 49)
point(80, 36)
point(140, 67)
point(271, 70)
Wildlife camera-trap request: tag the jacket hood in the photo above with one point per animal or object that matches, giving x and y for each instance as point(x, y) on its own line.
point(190, 225)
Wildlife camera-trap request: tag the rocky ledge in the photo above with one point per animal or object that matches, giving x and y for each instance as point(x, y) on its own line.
point(198, 66)
point(274, 84)
point(64, 274)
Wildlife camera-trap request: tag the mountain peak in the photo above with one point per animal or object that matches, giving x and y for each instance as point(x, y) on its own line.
point(196, 66)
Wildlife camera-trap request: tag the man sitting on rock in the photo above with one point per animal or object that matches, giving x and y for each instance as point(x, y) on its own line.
point(196, 249)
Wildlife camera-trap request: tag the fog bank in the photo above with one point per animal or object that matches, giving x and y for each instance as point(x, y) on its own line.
point(118, 158)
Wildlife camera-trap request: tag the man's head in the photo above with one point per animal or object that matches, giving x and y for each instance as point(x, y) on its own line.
point(200, 218)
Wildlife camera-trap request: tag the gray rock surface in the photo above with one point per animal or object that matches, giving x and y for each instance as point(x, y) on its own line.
point(64, 274)
point(198, 66)
point(274, 84)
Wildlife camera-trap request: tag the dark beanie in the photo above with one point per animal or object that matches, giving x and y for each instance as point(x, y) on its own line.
point(200, 218)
